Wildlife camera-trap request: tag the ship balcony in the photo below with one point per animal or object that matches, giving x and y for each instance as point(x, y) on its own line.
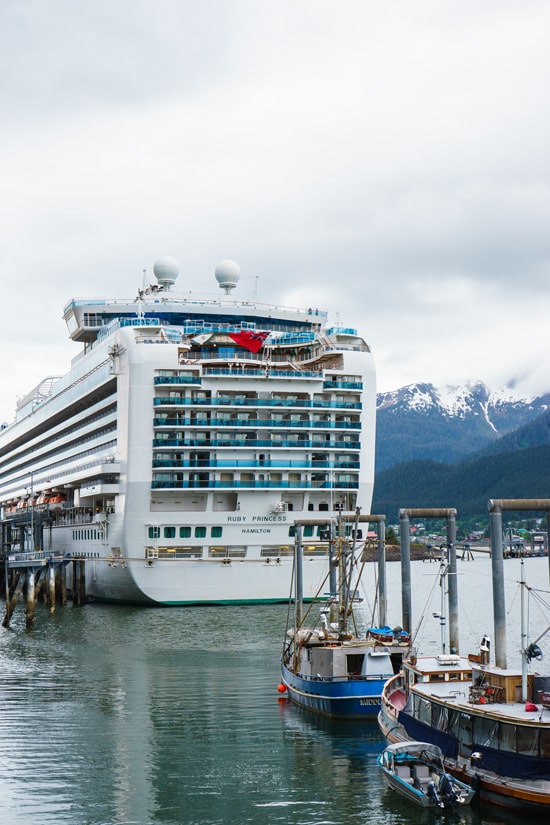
point(176, 379)
point(240, 372)
point(99, 490)
point(330, 384)
point(177, 463)
point(250, 484)
point(305, 403)
point(259, 422)
point(256, 442)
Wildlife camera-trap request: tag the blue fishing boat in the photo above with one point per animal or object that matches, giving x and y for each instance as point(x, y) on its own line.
point(327, 667)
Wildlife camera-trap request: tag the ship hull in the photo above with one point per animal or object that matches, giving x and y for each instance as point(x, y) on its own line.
point(194, 582)
point(339, 698)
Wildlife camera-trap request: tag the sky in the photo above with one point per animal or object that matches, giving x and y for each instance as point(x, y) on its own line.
point(387, 161)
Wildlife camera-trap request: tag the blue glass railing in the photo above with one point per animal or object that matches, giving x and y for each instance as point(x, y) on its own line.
point(254, 464)
point(258, 422)
point(177, 379)
point(274, 373)
point(262, 402)
point(252, 484)
point(254, 442)
point(343, 385)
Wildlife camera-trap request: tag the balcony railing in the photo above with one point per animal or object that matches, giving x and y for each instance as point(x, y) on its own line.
point(252, 484)
point(254, 442)
point(305, 403)
point(258, 422)
point(254, 464)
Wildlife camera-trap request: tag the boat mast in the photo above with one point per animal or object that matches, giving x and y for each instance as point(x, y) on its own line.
point(298, 578)
point(523, 636)
point(443, 570)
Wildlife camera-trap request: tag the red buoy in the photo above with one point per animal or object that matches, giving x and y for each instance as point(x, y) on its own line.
point(281, 688)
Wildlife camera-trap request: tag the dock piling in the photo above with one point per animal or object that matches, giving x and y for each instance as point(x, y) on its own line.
point(31, 602)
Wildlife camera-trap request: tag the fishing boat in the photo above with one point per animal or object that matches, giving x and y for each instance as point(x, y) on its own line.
point(328, 666)
point(188, 433)
point(416, 771)
point(491, 722)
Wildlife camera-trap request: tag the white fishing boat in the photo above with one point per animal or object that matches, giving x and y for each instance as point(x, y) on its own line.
point(187, 436)
point(492, 723)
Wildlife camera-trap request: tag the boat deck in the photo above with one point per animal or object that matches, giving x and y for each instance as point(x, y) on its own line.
point(459, 694)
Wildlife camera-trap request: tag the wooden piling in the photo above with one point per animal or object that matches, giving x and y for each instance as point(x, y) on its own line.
point(51, 587)
point(13, 597)
point(31, 601)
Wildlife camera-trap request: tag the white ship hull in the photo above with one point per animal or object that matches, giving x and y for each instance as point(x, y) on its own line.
point(175, 463)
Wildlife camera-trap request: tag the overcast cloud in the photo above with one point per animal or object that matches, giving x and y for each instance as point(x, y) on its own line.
point(385, 160)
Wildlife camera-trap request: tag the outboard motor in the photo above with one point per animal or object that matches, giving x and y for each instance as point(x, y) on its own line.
point(447, 792)
point(431, 793)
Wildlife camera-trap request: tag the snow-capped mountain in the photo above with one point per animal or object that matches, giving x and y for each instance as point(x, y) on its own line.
point(421, 421)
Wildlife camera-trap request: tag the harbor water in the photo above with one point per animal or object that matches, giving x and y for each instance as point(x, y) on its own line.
point(146, 716)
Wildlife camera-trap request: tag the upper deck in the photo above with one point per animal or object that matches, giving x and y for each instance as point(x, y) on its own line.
point(461, 682)
point(85, 317)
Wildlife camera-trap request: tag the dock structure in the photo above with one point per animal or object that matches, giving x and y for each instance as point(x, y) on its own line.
point(335, 527)
point(449, 514)
point(496, 508)
point(36, 575)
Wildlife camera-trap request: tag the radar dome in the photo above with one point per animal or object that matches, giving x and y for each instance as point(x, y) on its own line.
point(166, 271)
point(227, 275)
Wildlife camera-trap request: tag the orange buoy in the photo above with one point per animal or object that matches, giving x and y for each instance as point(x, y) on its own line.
point(281, 688)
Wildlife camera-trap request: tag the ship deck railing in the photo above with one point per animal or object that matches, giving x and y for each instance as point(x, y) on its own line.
point(158, 484)
point(198, 464)
point(227, 400)
point(255, 442)
point(240, 373)
point(258, 422)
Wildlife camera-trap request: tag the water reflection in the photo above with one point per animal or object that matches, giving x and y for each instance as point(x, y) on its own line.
point(143, 717)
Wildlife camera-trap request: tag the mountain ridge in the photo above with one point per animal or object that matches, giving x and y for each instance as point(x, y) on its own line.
point(467, 446)
point(421, 421)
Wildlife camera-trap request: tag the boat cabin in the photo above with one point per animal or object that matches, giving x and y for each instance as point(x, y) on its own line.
point(340, 659)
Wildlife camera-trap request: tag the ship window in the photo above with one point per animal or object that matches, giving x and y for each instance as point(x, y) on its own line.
point(440, 717)
point(308, 530)
point(545, 743)
point(185, 532)
point(169, 532)
point(292, 531)
point(424, 711)
point(216, 532)
point(528, 740)
point(486, 733)
point(200, 532)
point(507, 737)
point(154, 532)
point(452, 726)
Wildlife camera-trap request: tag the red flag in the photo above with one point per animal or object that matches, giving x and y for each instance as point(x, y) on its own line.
point(248, 339)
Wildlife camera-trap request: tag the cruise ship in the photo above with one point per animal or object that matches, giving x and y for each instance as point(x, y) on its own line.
point(186, 438)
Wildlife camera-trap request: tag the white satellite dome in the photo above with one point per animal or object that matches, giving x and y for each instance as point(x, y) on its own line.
point(166, 271)
point(227, 275)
